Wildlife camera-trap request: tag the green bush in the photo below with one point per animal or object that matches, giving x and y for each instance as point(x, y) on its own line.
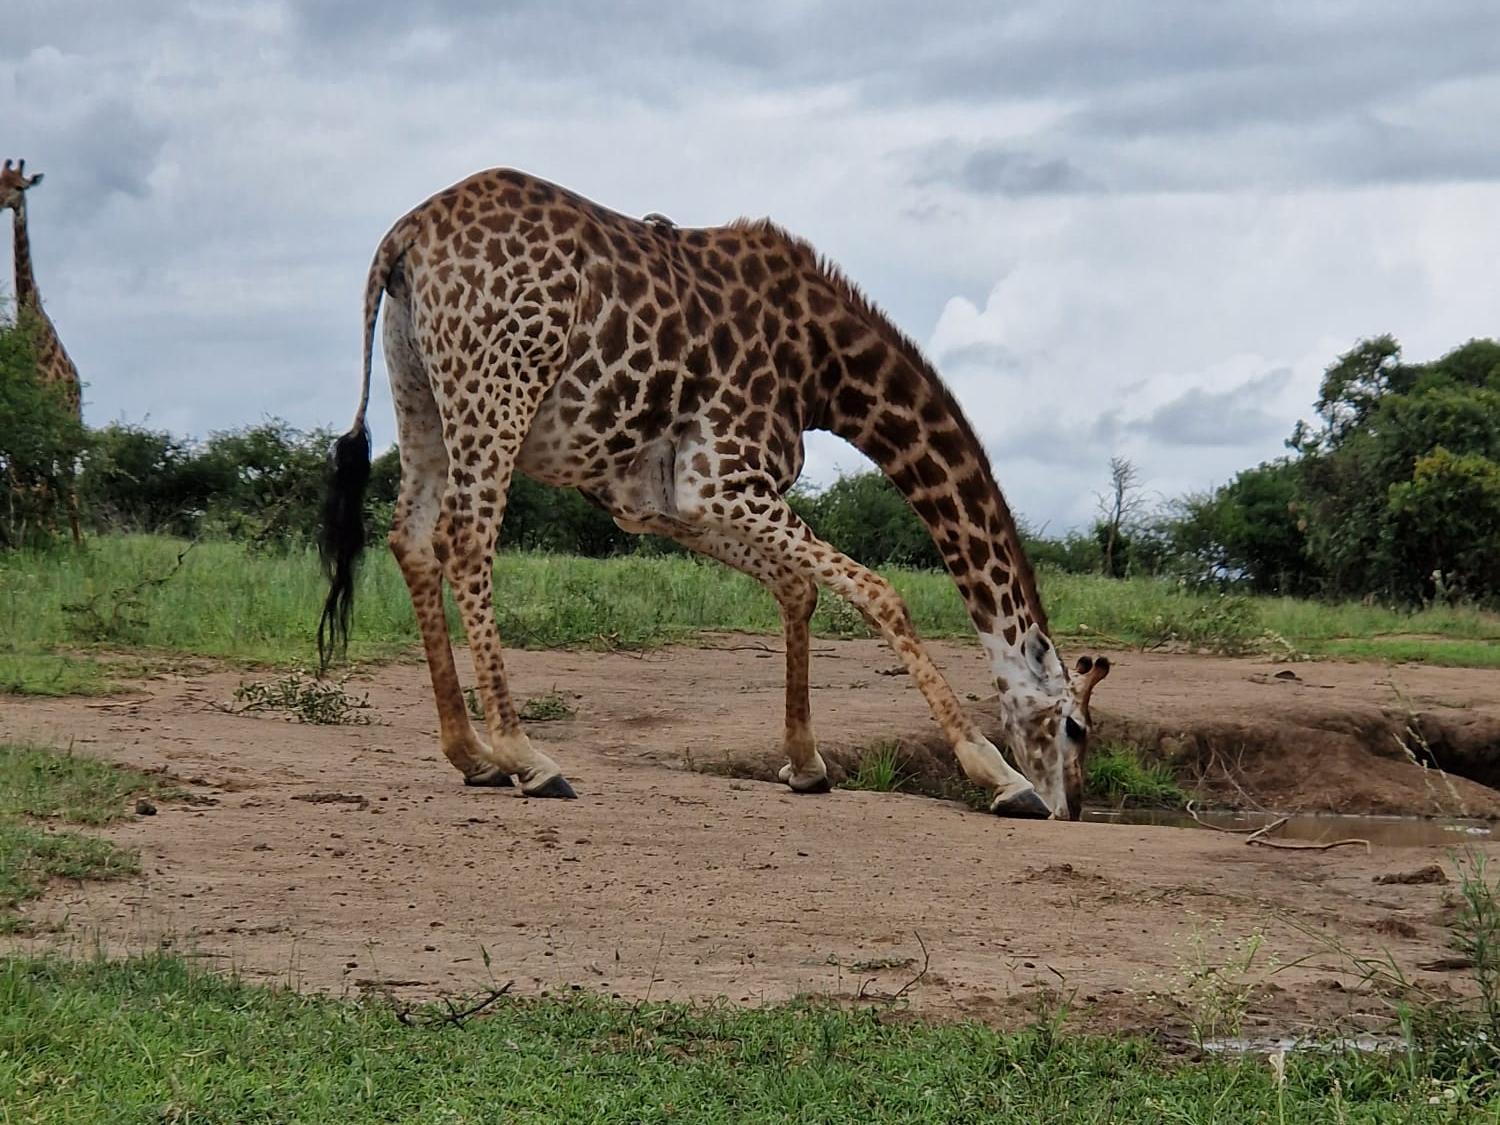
point(40, 441)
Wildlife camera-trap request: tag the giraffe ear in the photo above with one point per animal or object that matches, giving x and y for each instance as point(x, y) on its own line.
point(1041, 656)
point(35, 180)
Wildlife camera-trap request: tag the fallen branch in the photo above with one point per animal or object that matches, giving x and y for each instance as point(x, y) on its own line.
point(1304, 845)
point(892, 997)
point(1260, 837)
point(1192, 812)
point(454, 1016)
point(1265, 830)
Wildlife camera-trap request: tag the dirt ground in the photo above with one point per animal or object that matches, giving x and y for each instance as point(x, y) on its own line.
point(351, 857)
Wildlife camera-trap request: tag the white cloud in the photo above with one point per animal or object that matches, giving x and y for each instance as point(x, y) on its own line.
point(1090, 215)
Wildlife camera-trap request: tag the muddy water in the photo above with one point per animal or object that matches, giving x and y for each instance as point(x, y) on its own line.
point(1381, 831)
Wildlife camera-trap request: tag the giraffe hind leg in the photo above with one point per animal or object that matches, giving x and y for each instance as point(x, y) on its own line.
point(424, 472)
point(480, 461)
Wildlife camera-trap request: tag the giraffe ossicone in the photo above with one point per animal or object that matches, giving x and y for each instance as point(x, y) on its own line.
point(669, 373)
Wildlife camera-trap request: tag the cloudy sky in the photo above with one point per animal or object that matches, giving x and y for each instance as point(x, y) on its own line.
point(1138, 228)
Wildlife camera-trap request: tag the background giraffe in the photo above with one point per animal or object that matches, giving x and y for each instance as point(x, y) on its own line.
point(53, 364)
point(669, 374)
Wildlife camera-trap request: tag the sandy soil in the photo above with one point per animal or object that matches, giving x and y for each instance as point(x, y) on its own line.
point(351, 857)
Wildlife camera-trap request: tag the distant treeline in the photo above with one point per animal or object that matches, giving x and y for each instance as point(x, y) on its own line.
point(1393, 495)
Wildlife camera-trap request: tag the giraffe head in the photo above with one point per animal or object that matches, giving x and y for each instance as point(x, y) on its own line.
point(1047, 718)
point(13, 184)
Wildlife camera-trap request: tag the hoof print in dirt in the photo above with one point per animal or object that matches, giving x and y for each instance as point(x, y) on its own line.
point(822, 785)
point(1025, 806)
point(553, 787)
point(492, 778)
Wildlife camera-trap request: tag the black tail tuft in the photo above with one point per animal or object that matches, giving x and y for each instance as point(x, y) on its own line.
point(342, 538)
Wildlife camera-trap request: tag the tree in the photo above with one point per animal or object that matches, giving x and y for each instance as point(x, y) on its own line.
point(866, 517)
point(1118, 509)
point(40, 442)
point(1248, 532)
point(1446, 524)
point(1380, 481)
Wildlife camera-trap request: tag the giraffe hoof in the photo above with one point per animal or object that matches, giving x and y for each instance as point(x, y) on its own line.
point(1024, 805)
point(555, 786)
point(492, 777)
point(821, 785)
point(817, 785)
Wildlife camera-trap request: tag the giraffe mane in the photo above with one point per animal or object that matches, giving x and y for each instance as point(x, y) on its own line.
point(839, 281)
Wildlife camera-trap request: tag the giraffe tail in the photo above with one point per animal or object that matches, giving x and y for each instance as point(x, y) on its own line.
point(341, 539)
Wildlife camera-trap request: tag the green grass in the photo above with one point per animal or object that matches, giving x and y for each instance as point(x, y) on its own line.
point(882, 768)
point(1117, 774)
point(231, 602)
point(38, 786)
point(152, 1039)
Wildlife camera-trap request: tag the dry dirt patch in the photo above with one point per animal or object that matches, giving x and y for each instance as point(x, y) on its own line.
point(669, 881)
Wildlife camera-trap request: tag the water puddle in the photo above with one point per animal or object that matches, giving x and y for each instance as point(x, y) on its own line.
point(1316, 828)
point(1271, 1044)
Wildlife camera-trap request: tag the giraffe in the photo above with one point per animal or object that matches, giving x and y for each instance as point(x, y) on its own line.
point(53, 365)
point(669, 374)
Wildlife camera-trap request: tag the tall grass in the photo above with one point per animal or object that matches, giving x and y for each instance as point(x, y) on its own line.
point(230, 601)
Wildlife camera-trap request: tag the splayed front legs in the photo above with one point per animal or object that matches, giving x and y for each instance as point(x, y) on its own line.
point(754, 515)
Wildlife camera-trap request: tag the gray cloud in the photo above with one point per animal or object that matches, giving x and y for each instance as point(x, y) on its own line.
point(986, 354)
point(1001, 172)
point(1205, 417)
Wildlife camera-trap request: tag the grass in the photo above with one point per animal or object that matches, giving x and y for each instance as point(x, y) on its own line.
point(1117, 773)
point(155, 1039)
point(882, 768)
point(230, 601)
point(39, 786)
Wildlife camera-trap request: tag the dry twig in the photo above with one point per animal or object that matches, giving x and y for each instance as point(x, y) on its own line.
point(454, 1016)
point(1261, 837)
point(1306, 845)
point(892, 997)
point(1192, 812)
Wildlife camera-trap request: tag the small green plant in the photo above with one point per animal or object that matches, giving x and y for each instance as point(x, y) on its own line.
point(1216, 984)
point(882, 769)
point(1117, 773)
point(835, 617)
point(305, 698)
point(549, 707)
point(1476, 935)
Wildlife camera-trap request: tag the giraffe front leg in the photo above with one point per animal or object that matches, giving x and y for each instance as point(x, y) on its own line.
point(756, 515)
point(805, 770)
point(797, 597)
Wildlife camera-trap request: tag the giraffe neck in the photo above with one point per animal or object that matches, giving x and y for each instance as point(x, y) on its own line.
point(25, 281)
point(882, 396)
point(53, 365)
